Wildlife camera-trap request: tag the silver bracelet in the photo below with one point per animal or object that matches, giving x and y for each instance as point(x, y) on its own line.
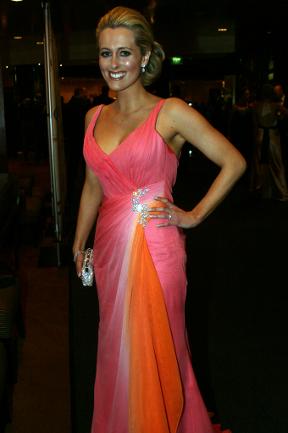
point(77, 254)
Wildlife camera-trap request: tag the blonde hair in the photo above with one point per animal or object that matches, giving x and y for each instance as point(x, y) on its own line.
point(144, 39)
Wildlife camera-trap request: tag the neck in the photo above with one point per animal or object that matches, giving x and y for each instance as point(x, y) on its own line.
point(131, 99)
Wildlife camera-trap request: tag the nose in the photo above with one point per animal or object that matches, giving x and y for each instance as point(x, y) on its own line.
point(114, 61)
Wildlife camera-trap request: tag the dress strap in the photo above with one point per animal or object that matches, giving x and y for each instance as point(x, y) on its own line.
point(157, 108)
point(155, 112)
point(94, 118)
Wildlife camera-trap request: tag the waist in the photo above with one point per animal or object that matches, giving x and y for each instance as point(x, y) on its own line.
point(147, 193)
point(135, 203)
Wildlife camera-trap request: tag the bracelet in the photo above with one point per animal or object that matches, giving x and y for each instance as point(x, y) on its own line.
point(77, 254)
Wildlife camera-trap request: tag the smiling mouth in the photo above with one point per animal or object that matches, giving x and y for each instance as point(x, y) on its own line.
point(117, 75)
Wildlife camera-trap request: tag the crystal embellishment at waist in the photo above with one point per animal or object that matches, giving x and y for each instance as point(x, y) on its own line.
point(137, 207)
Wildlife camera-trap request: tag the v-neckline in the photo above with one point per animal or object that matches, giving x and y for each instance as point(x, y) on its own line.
point(141, 124)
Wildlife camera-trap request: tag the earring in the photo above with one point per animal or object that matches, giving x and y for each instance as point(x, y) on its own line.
point(143, 68)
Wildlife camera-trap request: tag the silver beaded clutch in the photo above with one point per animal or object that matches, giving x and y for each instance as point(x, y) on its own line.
point(87, 272)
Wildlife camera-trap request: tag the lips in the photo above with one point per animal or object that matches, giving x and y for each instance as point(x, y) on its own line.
point(117, 75)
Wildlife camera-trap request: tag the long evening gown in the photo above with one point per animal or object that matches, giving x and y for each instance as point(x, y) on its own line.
point(144, 378)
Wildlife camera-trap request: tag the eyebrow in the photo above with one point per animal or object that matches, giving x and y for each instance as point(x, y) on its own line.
point(120, 48)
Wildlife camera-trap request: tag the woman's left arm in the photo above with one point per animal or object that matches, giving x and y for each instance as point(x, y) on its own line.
point(182, 123)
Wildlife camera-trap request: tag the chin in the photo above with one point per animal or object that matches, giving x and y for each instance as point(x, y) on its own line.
point(119, 85)
point(116, 85)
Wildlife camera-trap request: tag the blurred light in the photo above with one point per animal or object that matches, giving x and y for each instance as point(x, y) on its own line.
point(6, 67)
point(39, 64)
point(17, 37)
point(271, 64)
point(190, 104)
point(222, 29)
point(39, 43)
point(271, 76)
point(60, 65)
point(176, 60)
point(190, 152)
point(16, 1)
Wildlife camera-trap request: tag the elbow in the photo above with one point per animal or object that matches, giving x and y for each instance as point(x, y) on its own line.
point(242, 165)
point(237, 166)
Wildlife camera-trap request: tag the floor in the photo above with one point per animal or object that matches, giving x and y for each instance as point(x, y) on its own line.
point(41, 400)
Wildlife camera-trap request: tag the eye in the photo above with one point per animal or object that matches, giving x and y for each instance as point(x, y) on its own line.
point(105, 53)
point(125, 53)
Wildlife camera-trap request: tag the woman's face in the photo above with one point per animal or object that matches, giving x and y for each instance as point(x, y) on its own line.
point(120, 59)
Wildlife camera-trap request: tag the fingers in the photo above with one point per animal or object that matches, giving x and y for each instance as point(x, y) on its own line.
point(78, 260)
point(79, 264)
point(162, 212)
point(171, 219)
point(165, 201)
point(166, 209)
point(169, 213)
point(160, 209)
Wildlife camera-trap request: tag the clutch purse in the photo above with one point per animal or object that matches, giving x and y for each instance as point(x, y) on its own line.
point(87, 272)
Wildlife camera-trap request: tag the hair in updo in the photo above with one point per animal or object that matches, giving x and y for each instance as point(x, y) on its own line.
point(144, 39)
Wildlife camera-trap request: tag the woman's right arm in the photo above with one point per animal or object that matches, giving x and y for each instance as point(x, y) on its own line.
point(90, 201)
point(89, 204)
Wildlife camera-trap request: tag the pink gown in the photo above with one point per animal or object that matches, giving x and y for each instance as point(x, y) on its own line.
point(144, 378)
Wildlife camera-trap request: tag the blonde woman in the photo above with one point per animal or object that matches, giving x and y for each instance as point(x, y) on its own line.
point(144, 379)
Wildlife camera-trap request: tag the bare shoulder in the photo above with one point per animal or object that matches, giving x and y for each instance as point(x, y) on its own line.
point(178, 116)
point(175, 118)
point(90, 113)
point(174, 103)
point(174, 109)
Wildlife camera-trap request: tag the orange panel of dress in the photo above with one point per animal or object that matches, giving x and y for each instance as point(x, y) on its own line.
point(144, 378)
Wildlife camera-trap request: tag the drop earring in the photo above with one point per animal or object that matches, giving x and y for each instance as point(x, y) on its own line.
point(143, 68)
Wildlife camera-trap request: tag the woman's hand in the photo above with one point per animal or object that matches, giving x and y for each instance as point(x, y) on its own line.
point(173, 214)
point(78, 259)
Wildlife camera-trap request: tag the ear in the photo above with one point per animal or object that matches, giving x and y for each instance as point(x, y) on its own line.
point(145, 58)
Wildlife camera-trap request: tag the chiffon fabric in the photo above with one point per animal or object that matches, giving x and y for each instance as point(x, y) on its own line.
point(144, 378)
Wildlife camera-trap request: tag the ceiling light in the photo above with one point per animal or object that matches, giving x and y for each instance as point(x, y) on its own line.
point(222, 29)
point(17, 37)
point(16, 0)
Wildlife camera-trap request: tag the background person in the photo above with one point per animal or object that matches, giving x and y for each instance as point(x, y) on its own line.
point(268, 170)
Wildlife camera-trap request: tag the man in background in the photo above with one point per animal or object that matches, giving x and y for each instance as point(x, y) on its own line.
point(282, 98)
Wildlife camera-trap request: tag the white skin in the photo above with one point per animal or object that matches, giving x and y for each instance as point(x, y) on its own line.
point(120, 62)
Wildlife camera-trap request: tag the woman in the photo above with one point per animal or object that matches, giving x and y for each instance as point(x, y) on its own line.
point(144, 379)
